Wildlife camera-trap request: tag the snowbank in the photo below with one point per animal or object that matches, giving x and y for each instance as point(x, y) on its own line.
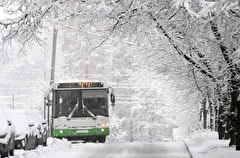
point(205, 144)
point(53, 146)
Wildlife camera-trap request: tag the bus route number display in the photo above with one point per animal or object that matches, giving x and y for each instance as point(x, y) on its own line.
point(80, 85)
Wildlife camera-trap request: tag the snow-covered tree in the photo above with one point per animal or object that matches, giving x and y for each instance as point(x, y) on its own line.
point(194, 43)
point(222, 20)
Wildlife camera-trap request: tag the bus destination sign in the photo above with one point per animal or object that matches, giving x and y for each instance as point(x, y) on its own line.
point(80, 85)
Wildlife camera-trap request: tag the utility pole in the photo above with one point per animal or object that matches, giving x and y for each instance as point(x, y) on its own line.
point(45, 64)
point(13, 101)
point(54, 47)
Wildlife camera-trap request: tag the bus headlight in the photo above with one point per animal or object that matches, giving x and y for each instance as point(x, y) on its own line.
point(105, 124)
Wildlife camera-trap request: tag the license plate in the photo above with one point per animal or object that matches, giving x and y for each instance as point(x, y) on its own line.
point(82, 131)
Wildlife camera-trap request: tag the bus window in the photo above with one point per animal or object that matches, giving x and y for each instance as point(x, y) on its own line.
point(96, 101)
point(65, 102)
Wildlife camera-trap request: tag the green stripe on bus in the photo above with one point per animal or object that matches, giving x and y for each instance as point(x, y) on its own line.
point(81, 132)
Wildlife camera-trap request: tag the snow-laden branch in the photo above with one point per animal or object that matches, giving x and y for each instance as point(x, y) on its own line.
point(207, 7)
point(179, 51)
point(24, 20)
point(187, 6)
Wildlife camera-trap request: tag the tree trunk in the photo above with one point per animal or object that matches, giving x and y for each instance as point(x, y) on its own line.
point(234, 122)
point(221, 123)
point(211, 115)
point(216, 117)
point(233, 86)
point(204, 113)
point(238, 127)
point(217, 103)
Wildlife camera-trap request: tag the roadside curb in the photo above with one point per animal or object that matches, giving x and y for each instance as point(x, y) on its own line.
point(188, 149)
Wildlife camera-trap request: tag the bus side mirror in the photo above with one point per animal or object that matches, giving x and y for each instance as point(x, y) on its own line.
point(112, 96)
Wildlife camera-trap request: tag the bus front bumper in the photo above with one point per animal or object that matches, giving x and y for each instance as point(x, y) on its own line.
point(80, 132)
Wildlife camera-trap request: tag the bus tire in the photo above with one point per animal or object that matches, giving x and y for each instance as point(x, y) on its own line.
point(94, 140)
point(102, 139)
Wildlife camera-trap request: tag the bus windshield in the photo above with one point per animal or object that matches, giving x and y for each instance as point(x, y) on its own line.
point(81, 103)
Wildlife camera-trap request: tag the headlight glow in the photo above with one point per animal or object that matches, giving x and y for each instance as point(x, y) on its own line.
point(105, 124)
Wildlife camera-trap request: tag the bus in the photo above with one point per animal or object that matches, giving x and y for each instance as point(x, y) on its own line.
point(78, 110)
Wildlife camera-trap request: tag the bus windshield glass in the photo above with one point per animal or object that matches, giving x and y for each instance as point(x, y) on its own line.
point(81, 103)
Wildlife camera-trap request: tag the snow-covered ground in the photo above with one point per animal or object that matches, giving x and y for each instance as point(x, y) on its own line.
point(53, 146)
point(205, 144)
point(202, 144)
point(61, 149)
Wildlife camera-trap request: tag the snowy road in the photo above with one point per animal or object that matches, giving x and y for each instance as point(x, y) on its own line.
point(64, 149)
point(128, 150)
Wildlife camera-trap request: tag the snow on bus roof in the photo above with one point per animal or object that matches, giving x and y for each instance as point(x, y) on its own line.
point(54, 85)
point(76, 81)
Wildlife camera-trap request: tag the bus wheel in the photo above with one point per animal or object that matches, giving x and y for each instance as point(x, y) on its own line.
point(102, 139)
point(94, 140)
point(85, 140)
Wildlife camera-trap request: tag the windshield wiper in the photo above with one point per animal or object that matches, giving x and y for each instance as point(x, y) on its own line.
point(90, 113)
point(74, 109)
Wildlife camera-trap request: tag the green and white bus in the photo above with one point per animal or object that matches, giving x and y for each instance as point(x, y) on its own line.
point(78, 110)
